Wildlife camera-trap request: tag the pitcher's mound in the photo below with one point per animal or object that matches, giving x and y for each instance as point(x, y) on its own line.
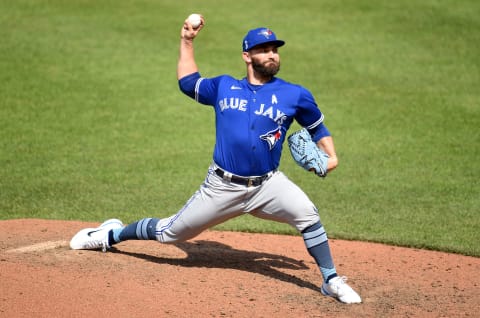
point(222, 274)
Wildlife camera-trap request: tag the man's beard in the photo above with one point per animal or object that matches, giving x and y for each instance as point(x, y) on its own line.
point(268, 69)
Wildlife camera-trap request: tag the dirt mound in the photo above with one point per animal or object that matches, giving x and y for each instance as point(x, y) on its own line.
point(222, 274)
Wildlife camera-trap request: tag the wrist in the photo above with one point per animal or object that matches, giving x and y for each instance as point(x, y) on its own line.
point(186, 40)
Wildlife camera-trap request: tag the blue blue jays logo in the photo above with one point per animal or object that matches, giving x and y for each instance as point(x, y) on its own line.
point(272, 137)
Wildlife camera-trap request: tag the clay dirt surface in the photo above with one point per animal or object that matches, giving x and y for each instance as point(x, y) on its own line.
point(222, 274)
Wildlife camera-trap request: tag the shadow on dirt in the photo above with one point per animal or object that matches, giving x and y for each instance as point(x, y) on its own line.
point(210, 254)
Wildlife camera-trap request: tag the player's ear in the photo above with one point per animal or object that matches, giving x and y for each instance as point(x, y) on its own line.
point(246, 57)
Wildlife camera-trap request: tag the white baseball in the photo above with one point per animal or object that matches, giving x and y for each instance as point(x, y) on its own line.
point(195, 20)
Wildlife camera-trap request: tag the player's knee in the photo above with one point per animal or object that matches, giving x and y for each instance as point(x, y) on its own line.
point(309, 218)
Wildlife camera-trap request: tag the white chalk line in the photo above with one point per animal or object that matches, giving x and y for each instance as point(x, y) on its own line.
point(39, 247)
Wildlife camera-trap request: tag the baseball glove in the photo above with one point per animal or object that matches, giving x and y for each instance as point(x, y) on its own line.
point(307, 154)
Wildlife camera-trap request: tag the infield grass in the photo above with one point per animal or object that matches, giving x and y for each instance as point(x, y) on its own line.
point(93, 126)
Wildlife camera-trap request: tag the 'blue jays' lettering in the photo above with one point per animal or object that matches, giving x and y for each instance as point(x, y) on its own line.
point(252, 121)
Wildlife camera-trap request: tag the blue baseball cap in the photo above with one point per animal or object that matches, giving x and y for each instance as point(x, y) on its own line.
point(260, 36)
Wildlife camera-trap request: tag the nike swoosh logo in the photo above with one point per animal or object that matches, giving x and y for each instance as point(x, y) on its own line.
point(235, 87)
point(91, 232)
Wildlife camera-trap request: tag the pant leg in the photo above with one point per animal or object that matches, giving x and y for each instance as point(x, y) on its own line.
point(281, 200)
point(215, 202)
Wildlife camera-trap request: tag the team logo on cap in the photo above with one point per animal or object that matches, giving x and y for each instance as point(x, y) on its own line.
point(266, 33)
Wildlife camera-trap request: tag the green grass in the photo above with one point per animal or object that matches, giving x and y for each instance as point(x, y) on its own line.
point(92, 124)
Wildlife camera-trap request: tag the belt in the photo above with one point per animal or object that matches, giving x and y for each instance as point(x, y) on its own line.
point(246, 181)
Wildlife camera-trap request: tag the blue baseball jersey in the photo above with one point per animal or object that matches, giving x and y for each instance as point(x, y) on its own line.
point(252, 120)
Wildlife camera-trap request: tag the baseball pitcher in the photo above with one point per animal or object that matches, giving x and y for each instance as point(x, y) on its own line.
point(252, 117)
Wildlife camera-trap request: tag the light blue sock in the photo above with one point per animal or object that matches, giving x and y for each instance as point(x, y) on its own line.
point(116, 234)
